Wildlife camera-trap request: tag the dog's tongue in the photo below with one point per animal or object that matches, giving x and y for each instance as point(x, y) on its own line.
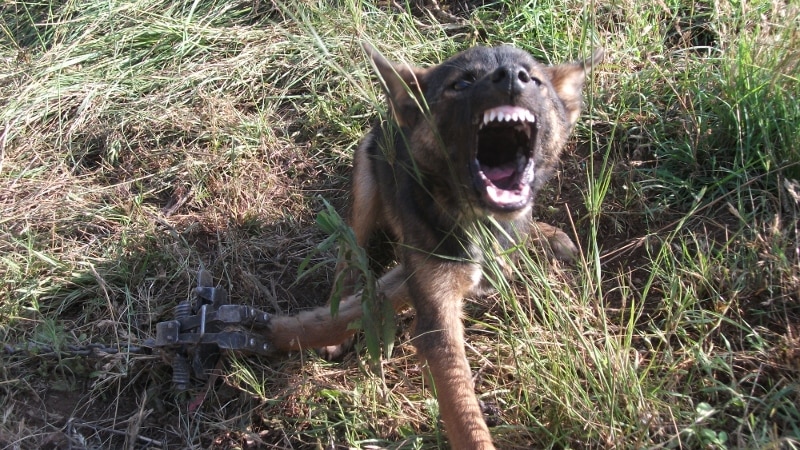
point(498, 175)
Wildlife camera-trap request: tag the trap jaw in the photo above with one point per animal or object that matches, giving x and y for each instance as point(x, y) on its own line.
point(194, 340)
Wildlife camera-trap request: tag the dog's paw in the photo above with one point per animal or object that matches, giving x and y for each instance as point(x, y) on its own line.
point(554, 241)
point(334, 352)
point(562, 247)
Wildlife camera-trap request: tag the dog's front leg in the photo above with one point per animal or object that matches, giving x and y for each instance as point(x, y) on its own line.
point(437, 291)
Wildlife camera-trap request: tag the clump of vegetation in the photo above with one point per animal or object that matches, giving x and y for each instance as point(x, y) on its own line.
point(142, 140)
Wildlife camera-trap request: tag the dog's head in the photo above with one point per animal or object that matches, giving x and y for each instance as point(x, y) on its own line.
point(495, 117)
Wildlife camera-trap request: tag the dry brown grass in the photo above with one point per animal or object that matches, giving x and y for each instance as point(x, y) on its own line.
point(139, 141)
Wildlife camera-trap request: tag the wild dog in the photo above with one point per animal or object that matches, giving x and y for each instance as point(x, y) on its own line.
point(470, 141)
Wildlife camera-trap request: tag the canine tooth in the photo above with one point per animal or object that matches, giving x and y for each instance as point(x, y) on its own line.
point(521, 127)
point(492, 115)
point(521, 161)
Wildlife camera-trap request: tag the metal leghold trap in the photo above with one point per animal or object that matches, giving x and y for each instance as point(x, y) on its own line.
point(204, 327)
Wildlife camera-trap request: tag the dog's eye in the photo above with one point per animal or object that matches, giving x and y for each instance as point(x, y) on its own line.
point(462, 84)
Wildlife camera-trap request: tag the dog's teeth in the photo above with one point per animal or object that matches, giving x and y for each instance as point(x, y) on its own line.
point(522, 160)
point(507, 114)
point(521, 127)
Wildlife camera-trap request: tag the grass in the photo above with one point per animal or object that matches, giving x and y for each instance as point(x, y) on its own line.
point(139, 140)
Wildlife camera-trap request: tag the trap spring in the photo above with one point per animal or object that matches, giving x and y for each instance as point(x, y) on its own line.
point(201, 329)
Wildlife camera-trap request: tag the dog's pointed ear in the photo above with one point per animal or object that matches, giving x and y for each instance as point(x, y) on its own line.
point(568, 79)
point(403, 83)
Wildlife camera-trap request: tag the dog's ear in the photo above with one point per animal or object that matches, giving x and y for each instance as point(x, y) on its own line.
point(568, 79)
point(403, 83)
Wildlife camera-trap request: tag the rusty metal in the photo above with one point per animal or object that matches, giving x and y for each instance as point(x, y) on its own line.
point(87, 350)
point(194, 340)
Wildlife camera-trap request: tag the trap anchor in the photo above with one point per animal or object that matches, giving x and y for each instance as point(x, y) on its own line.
point(202, 329)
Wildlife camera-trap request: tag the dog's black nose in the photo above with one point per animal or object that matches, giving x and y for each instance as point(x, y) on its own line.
point(511, 78)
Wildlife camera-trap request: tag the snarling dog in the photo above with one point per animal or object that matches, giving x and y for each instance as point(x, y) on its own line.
point(470, 142)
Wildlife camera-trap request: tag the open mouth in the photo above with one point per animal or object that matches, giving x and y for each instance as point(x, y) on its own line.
point(503, 164)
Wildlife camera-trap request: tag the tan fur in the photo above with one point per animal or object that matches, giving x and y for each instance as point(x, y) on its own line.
point(554, 241)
